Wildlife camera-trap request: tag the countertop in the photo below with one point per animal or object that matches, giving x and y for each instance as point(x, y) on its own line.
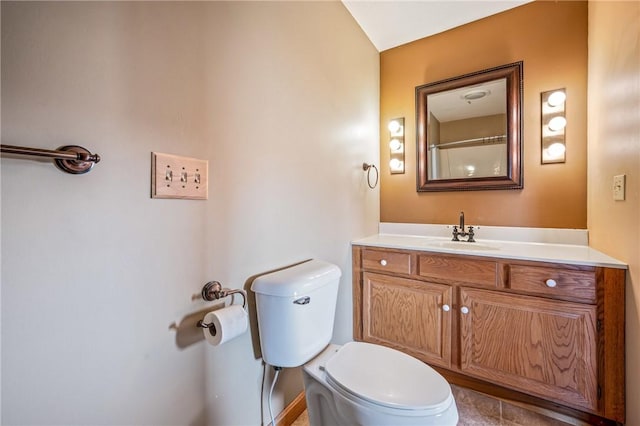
point(574, 254)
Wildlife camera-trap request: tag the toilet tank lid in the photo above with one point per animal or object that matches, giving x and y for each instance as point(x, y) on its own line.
point(297, 280)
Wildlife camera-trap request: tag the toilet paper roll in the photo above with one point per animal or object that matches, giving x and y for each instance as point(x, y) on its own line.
point(228, 323)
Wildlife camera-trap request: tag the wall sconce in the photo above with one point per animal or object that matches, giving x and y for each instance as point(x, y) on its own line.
point(554, 123)
point(396, 146)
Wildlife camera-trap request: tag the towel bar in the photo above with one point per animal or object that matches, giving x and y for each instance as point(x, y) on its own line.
point(72, 159)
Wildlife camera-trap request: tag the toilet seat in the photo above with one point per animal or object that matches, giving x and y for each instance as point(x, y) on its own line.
point(387, 378)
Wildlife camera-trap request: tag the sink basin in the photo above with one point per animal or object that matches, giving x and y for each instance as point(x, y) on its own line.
point(460, 245)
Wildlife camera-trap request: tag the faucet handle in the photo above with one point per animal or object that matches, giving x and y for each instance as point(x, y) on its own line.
point(455, 233)
point(470, 233)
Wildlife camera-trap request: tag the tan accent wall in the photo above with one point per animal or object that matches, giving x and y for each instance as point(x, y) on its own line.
point(551, 39)
point(614, 149)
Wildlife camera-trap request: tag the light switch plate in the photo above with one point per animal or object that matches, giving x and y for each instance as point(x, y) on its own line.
point(618, 187)
point(173, 176)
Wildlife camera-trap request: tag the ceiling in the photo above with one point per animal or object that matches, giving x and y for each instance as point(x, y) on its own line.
point(390, 23)
point(456, 105)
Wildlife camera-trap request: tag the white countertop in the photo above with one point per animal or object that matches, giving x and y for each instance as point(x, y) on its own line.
point(575, 254)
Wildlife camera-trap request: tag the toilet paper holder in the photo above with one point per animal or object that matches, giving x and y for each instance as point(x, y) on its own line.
point(213, 291)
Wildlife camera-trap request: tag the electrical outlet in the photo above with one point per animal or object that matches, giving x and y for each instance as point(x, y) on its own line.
point(618, 187)
point(173, 176)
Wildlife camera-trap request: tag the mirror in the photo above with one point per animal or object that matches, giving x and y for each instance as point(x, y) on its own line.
point(469, 131)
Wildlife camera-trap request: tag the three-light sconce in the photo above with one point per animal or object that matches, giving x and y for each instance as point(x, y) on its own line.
point(396, 146)
point(554, 122)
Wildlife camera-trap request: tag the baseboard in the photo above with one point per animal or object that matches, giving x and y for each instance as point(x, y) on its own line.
point(292, 411)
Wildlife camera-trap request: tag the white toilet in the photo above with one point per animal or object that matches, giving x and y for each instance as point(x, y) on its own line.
point(354, 384)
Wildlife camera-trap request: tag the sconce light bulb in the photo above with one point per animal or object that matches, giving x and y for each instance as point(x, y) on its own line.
point(394, 126)
point(395, 145)
point(556, 98)
point(557, 123)
point(556, 149)
point(395, 164)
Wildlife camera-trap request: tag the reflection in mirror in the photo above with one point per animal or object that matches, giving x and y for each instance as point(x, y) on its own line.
point(469, 131)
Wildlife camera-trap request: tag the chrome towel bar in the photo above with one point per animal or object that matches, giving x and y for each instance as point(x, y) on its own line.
point(72, 159)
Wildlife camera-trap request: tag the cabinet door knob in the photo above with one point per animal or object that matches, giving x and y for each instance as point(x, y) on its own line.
point(550, 283)
point(383, 262)
point(464, 310)
point(446, 308)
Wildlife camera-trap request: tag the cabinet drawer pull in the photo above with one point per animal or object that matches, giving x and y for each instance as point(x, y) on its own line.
point(464, 310)
point(383, 262)
point(446, 308)
point(550, 283)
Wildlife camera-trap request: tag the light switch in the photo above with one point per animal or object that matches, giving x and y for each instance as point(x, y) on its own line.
point(618, 187)
point(173, 176)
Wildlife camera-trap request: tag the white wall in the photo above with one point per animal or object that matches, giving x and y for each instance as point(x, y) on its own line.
point(281, 98)
point(614, 149)
point(302, 86)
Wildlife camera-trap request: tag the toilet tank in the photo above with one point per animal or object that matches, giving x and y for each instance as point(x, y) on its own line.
point(296, 308)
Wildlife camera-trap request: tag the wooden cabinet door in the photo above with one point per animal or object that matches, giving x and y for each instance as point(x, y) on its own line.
point(542, 347)
point(409, 315)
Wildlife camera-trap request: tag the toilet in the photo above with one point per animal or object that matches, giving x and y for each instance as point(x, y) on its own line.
point(352, 384)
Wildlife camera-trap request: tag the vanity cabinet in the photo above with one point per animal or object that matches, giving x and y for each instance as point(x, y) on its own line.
point(409, 315)
point(544, 333)
point(546, 347)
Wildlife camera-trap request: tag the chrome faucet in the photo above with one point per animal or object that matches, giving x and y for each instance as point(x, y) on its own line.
point(461, 233)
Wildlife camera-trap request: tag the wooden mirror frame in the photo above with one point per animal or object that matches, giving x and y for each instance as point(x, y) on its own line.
point(513, 178)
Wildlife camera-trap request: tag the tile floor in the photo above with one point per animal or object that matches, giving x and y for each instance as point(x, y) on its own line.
point(477, 409)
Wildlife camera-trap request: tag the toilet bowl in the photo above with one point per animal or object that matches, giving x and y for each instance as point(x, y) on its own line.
point(354, 384)
point(365, 384)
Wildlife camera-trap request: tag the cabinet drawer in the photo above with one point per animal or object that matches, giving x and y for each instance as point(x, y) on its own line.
point(481, 272)
point(386, 261)
point(554, 282)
